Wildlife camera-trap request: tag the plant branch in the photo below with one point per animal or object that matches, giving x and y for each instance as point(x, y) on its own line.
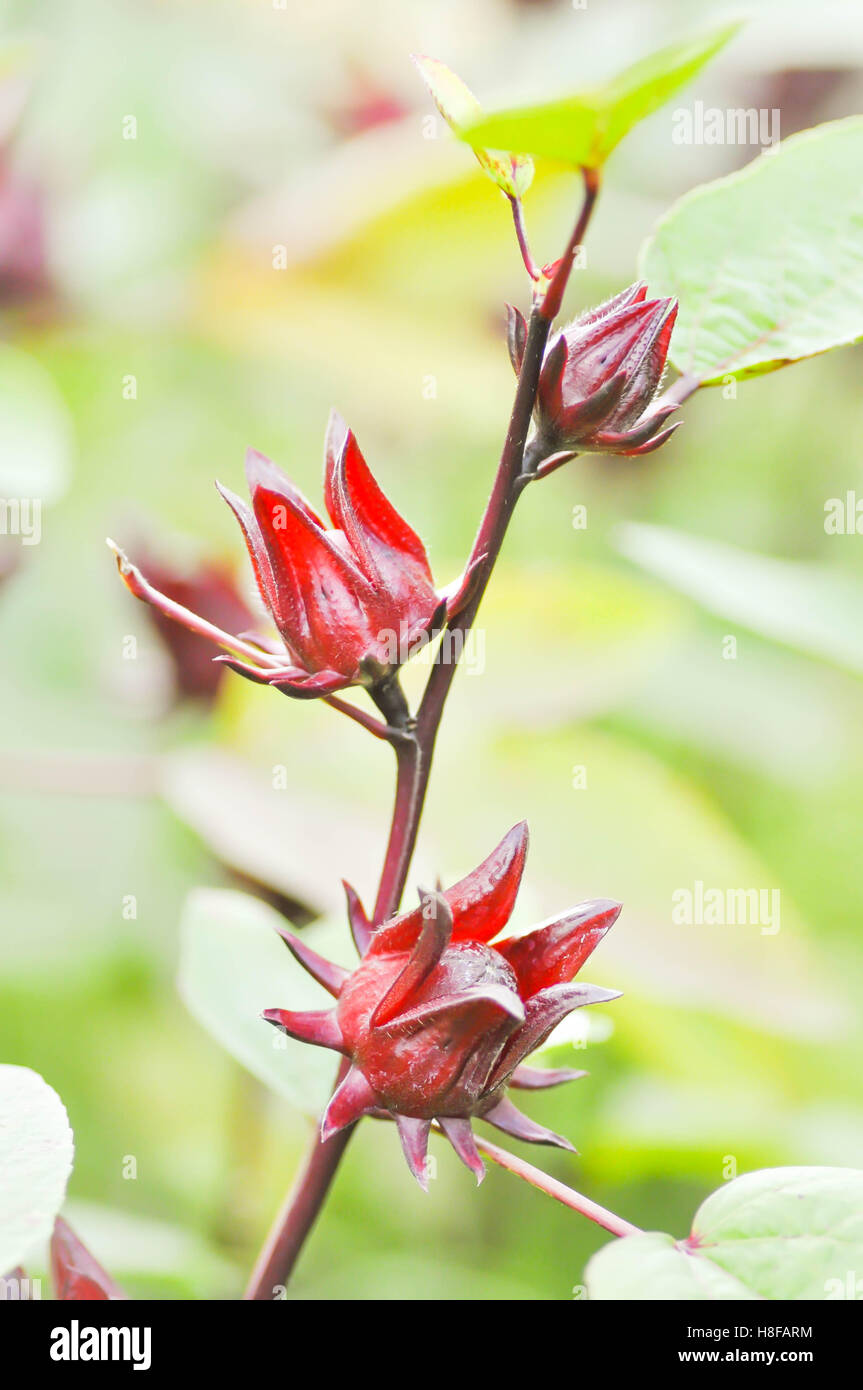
point(558, 1190)
point(414, 752)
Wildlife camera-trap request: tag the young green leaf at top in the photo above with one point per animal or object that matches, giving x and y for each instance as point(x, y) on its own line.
point(584, 128)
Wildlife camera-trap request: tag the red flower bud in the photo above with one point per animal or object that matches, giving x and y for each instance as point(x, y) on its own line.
point(351, 602)
point(437, 1021)
point(599, 379)
point(75, 1272)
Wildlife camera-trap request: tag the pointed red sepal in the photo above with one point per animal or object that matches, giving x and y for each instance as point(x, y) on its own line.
point(554, 954)
point(459, 594)
point(318, 1026)
point(505, 1116)
point(599, 405)
point(326, 972)
point(542, 1013)
point(290, 680)
point(643, 433)
point(552, 376)
point(75, 1273)
point(470, 1011)
point(433, 940)
point(414, 1136)
point(361, 927)
point(541, 1078)
point(634, 294)
point(378, 535)
point(315, 687)
point(655, 443)
point(550, 462)
point(261, 567)
point(353, 1099)
point(261, 472)
point(318, 582)
point(460, 1135)
point(481, 903)
point(261, 675)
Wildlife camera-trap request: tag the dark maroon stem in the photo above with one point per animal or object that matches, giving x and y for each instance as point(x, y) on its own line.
point(414, 746)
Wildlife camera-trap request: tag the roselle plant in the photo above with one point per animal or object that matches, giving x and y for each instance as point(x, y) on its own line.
point(437, 1020)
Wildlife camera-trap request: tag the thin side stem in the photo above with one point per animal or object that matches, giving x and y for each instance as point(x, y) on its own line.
point(521, 235)
point(558, 1190)
point(413, 758)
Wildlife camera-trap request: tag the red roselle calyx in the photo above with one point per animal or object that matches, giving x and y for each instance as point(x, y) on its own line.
point(437, 1021)
point(351, 601)
point(599, 380)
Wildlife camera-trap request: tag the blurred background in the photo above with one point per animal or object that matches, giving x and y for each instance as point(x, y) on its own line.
point(216, 221)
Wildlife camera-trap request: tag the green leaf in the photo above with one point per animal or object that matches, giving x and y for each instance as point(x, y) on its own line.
point(584, 128)
point(232, 967)
point(768, 263)
point(36, 1151)
point(513, 173)
point(804, 605)
point(781, 1233)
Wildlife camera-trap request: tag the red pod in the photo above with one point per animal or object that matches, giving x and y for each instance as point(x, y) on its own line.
point(437, 1020)
point(600, 377)
point(351, 600)
point(208, 589)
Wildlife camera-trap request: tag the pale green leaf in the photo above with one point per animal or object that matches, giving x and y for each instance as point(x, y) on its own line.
point(232, 967)
point(804, 605)
point(767, 263)
point(513, 173)
point(780, 1233)
point(584, 128)
point(36, 1151)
